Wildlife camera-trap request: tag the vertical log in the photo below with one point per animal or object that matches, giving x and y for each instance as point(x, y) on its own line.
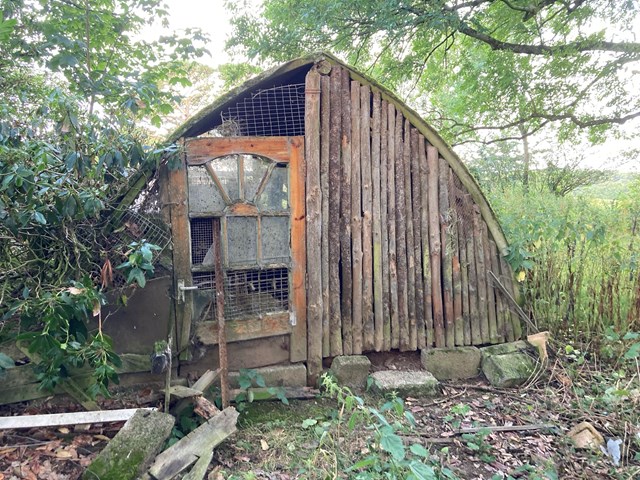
point(367, 218)
point(391, 218)
point(416, 208)
point(313, 221)
point(325, 128)
point(411, 266)
point(481, 275)
point(377, 225)
point(491, 299)
point(513, 321)
point(356, 219)
point(335, 319)
point(222, 333)
point(401, 237)
point(345, 214)
point(446, 254)
point(424, 231)
point(435, 246)
point(455, 258)
point(500, 307)
point(384, 190)
point(474, 316)
point(464, 273)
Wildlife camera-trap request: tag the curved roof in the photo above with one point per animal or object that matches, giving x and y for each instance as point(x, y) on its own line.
point(209, 117)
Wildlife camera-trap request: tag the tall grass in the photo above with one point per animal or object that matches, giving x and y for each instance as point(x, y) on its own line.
point(576, 258)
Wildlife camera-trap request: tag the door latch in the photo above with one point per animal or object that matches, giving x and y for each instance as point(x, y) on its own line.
point(182, 288)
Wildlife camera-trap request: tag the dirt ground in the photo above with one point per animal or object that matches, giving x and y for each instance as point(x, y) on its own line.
point(283, 442)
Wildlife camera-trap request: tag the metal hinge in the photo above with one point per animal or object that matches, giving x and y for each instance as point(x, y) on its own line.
point(182, 288)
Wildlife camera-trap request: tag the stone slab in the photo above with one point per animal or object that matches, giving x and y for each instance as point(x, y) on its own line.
point(133, 448)
point(452, 363)
point(351, 370)
point(277, 376)
point(406, 383)
point(509, 364)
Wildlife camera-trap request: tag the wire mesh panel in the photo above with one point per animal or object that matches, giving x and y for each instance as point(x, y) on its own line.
point(247, 293)
point(139, 226)
point(202, 251)
point(273, 112)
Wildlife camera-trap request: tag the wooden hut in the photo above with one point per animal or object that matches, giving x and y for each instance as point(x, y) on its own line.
point(331, 220)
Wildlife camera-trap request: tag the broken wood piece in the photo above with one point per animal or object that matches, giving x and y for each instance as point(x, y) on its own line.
point(204, 382)
point(204, 408)
point(507, 428)
point(184, 453)
point(274, 393)
point(74, 418)
point(199, 470)
point(181, 392)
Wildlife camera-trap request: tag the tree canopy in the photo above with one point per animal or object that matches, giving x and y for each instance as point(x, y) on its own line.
point(481, 70)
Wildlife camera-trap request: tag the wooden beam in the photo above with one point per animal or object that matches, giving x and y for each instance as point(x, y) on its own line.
point(74, 418)
point(201, 150)
point(345, 214)
point(356, 220)
point(391, 222)
point(435, 246)
point(222, 334)
point(367, 219)
point(325, 128)
point(378, 259)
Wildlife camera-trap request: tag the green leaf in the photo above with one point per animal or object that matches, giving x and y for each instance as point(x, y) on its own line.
point(392, 443)
point(631, 336)
point(422, 471)
point(633, 351)
point(39, 217)
point(309, 422)
point(6, 361)
point(419, 450)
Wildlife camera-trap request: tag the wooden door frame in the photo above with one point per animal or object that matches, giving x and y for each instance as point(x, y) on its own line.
point(201, 150)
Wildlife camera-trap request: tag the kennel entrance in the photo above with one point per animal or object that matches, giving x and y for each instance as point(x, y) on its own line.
point(245, 200)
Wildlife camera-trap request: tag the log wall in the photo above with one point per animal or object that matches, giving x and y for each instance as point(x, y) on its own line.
point(404, 259)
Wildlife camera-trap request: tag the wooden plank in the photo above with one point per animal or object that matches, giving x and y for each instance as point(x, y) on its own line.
point(455, 258)
point(269, 325)
point(391, 222)
point(182, 392)
point(481, 275)
point(73, 418)
point(325, 126)
point(377, 225)
point(184, 453)
point(356, 220)
point(424, 232)
point(199, 469)
point(401, 237)
point(512, 322)
point(491, 298)
point(313, 223)
point(411, 266)
point(474, 315)
point(222, 334)
point(345, 215)
point(201, 150)
point(446, 254)
point(298, 348)
point(335, 317)
point(181, 254)
point(416, 210)
point(367, 219)
point(464, 278)
point(384, 185)
point(435, 246)
point(500, 307)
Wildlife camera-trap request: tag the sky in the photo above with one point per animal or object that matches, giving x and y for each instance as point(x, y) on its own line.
point(213, 19)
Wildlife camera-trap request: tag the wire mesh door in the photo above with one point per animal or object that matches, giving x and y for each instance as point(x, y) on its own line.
point(247, 192)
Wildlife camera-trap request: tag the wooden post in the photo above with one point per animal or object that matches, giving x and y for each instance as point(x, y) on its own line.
point(481, 275)
point(356, 220)
point(345, 215)
point(384, 185)
point(447, 262)
point(455, 258)
point(335, 317)
point(391, 218)
point(500, 307)
point(367, 219)
point(222, 334)
point(416, 198)
point(411, 268)
point(435, 246)
point(491, 298)
point(377, 225)
point(424, 231)
point(464, 274)
point(325, 128)
point(313, 223)
point(474, 318)
point(401, 238)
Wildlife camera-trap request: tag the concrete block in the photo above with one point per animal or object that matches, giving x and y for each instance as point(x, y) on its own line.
point(133, 448)
point(452, 363)
point(509, 364)
point(277, 376)
point(351, 371)
point(406, 383)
